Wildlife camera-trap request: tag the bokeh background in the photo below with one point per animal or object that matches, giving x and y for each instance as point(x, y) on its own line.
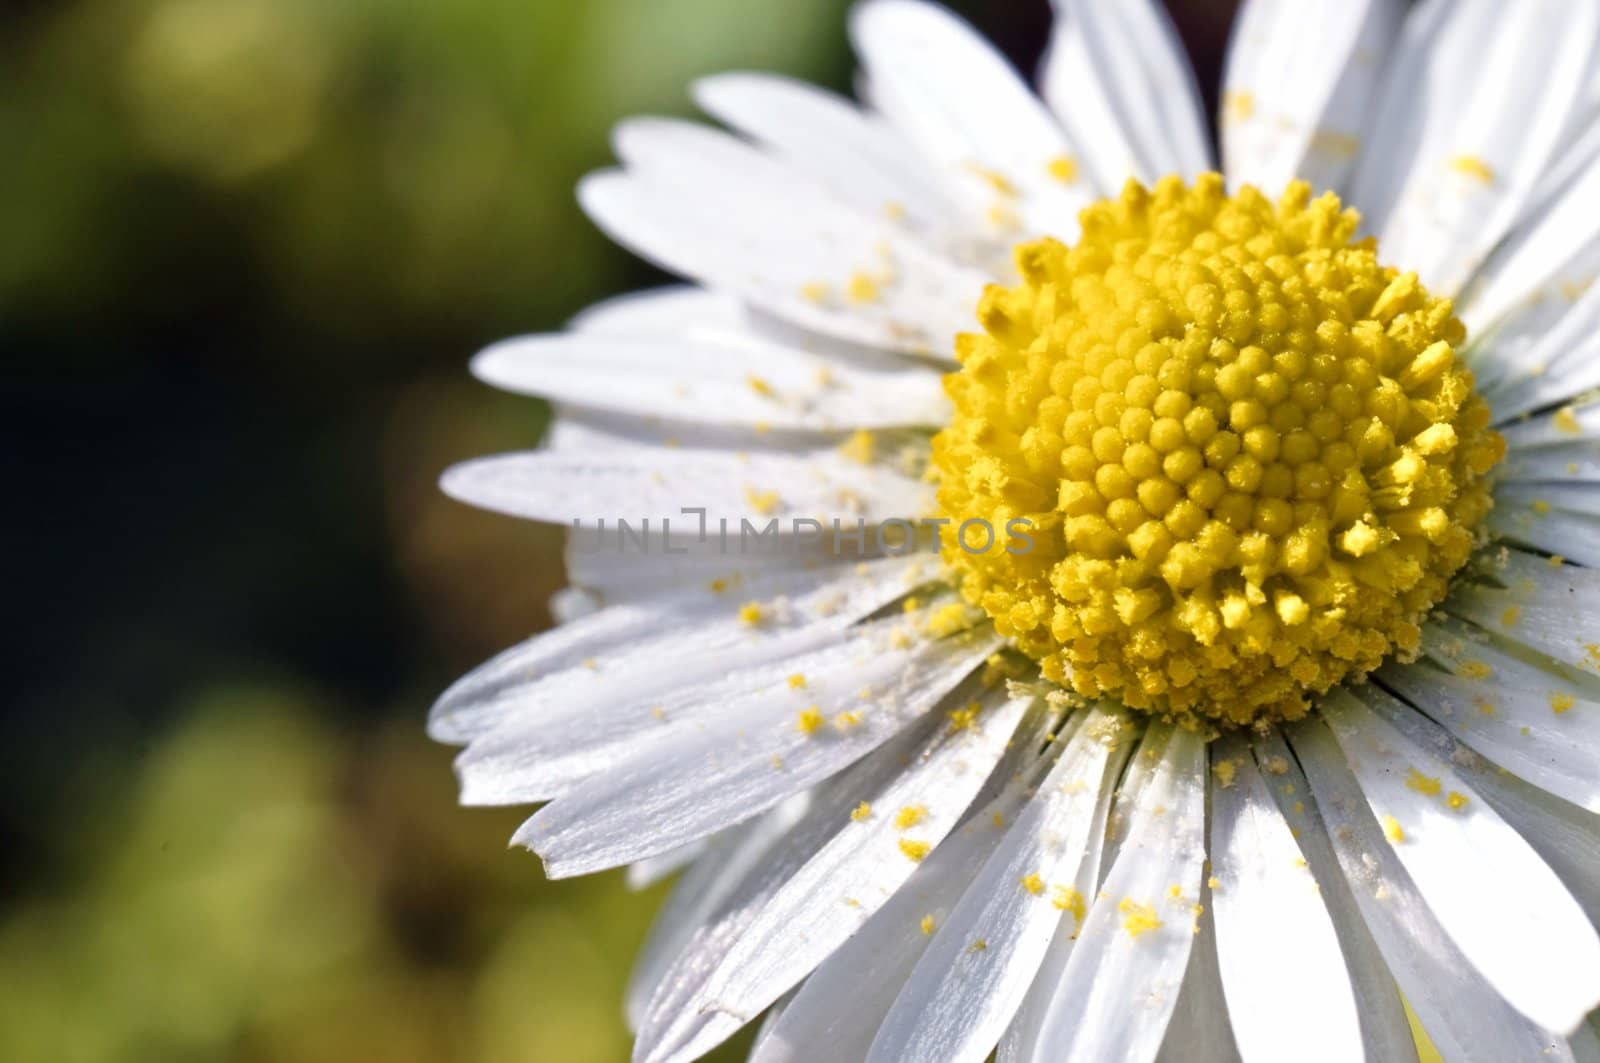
point(246, 249)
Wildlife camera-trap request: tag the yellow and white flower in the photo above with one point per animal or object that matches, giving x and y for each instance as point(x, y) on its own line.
point(1292, 706)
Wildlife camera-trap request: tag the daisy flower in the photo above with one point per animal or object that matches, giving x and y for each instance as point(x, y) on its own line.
point(1228, 679)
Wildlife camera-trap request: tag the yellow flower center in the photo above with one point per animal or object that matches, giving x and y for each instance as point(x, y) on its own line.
point(1248, 455)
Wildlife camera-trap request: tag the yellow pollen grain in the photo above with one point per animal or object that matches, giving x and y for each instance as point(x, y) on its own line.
point(910, 816)
point(1555, 560)
point(1427, 785)
point(1213, 882)
point(760, 386)
point(994, 179)
point(1033, 883)
point(862, 446)
point(1063, 168)
point(861, 812)
point(810, 720)
point(1238, 105)
point(1276, 765)
point(817, 292)
point(1512, 614)
point(861, 289)
point(914, 850)
point(928, 924)
point(1224, 770)
point(751, 613)
point(1567, 421)
point(1250, 458)
point(718, 586)
point(1474, 669)
point(848, 720)
point(998, 819)
point(1137, 918)
point(1560, 701)
point(1069, 899)
point(1003, 218)
point(1392, 829)
point(797, 680)
point(1456, 800)
point(1474, 167)
point(894, 210)
point(964, 718)
point(763, 502)
point(978, 946)
point(1540, 506)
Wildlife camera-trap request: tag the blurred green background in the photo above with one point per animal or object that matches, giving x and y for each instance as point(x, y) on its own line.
point(246, 248)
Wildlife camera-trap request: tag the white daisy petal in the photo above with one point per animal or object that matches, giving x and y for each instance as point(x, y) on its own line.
point(1282, 970)
point(1299, 84)
point(551, 746)
point(615, 578)
point(1539, 951)
point(988, 136)
point(1068, 83)
point(862, 160)
point(1125, 973)
point(1020, 1043)
point(1578, 426)
point(1557, 531)
point(845, 999)
point(745, 385)
point(1506, 708)
point(1466, 1018)
point(1200, 1030)
point(681, 1023)
point(699, 203)
point(1543, 606)
point(1545, 260)
point(1479, 95)
point(699, 631)
point(659, 482)
point(1524, 372)
point(1566, 836)
point(1385, 1029)
point(672, 1028)
point(670, 310)
point(851, 876)
point(647, 872)
point(1139, 59)
point(729, 858)
point(751, 753)
point(974, 976)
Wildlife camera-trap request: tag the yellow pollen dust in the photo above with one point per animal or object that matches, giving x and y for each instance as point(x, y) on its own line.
point(1249, 459)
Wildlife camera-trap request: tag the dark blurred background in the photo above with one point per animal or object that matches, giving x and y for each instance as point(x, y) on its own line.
point(246, 248)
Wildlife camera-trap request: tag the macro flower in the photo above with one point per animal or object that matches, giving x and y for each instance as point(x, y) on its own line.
point(1070, 601)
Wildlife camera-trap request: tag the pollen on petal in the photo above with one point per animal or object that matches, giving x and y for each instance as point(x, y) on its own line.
point(913, 849)
point(1426, 785)
point(910, 816)
point(1137, 918)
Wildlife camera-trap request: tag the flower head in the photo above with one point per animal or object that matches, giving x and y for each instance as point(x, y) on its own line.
point(1252, 678)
